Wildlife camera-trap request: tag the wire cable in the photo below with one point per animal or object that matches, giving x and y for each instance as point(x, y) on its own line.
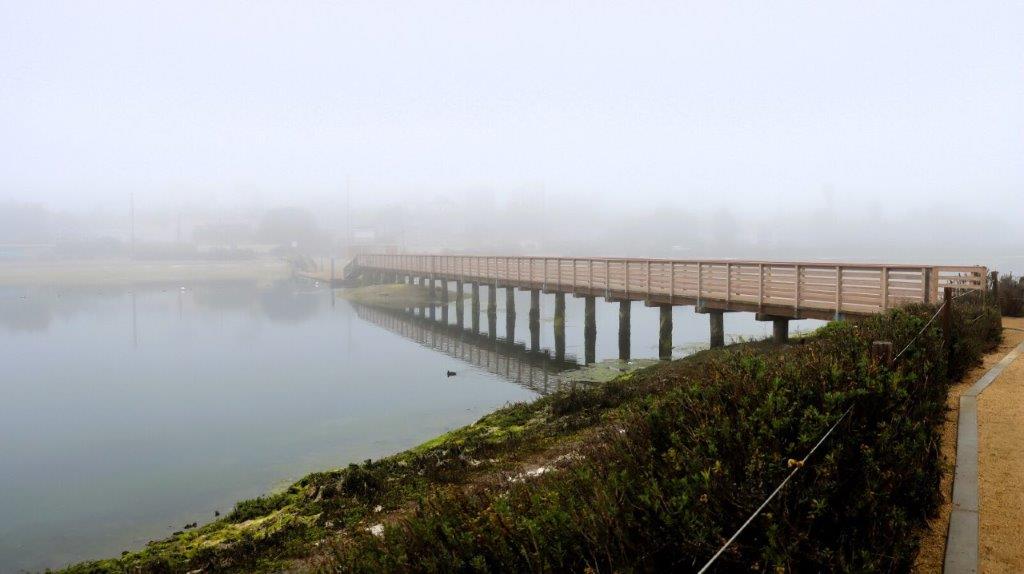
point(775, 492)
point(921, 332)
point(802, 462)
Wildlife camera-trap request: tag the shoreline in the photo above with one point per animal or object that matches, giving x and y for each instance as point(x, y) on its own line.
point(122, 271)
point(370, 512)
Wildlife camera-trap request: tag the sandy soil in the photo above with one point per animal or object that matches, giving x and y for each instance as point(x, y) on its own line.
point(1001, 466)
point(933, 542)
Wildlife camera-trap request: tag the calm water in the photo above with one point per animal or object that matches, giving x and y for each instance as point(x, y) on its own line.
point(129, 412)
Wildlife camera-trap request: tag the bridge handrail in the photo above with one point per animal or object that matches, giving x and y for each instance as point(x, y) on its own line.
point(842, 287)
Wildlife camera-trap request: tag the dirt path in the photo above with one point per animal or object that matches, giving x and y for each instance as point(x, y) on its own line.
point(997, 538)
point(1001, 466)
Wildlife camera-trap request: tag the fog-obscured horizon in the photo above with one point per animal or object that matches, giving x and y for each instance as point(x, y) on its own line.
point(854, 131)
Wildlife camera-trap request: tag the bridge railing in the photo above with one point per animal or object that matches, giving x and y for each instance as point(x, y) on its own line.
point(841, 287)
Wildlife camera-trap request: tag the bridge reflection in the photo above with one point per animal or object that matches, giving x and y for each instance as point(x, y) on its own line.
point(535, 369)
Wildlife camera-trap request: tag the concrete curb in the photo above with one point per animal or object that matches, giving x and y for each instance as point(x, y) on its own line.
point(962, 537)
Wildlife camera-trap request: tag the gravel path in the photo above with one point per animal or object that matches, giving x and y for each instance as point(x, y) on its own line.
point(933, 543)
point(1001, 467)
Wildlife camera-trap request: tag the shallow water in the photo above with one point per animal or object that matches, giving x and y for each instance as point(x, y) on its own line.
point(129, 412)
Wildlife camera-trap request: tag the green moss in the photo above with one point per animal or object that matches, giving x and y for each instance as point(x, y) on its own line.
point(392, 295)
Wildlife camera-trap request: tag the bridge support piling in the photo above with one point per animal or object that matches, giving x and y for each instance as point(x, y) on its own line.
point(476, 307)
point(492, 311)
point(510, 314)
point(559, 326)
point(625, 310)
point(717, 329)
point(780, 326)
point(510, 301)
point(444, 301)
point(535, 319)
point(510, 328)
point(780, 330)
point(589, 329)
point(460, 304)
point(665, 333)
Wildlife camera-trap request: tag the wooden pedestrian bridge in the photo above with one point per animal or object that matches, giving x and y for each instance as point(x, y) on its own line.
point(776, 291)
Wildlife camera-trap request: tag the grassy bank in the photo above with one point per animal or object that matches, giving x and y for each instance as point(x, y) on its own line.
point(651, 471)
point(391, 296)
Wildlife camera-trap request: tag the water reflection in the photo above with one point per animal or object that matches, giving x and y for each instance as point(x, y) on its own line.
point(35, 308)
point(127, 412)
point(532, 368)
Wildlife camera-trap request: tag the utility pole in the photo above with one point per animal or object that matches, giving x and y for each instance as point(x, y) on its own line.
point(131, 215)
point(348, 216)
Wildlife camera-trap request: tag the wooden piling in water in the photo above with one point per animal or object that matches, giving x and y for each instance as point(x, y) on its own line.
point(625, 308)
point(780, 330)
point(475, 303)
point(589, 329)
point(665, 333)
point(559, 324)
point(717, 329)
point(460, 304)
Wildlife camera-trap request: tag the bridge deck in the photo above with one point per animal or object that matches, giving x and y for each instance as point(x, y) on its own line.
point(783, 289)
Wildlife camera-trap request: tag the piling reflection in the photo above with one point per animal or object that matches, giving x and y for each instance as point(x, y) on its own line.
point(534, 369)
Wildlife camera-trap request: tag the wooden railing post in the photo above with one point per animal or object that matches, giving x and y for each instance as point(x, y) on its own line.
point(947, 321)
point(760, 286)
point(925, 278)
point(607, 278)
point(700, 282)
point(885, 288)
point(625, 263)
point(728, 282)
point(672, 280)
point(839, 290)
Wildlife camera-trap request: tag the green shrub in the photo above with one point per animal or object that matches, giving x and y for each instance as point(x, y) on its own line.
point(256, 507)
point(362, 481)
point(1011, 295)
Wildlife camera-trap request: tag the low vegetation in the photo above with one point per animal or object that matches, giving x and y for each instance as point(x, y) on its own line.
point(1011, 295)
point(391, 295)
point(651, 471)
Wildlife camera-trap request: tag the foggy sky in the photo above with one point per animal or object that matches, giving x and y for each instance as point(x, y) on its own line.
point(757, 107)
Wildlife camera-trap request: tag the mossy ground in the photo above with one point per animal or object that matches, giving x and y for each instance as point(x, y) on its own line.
point(391, 296)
